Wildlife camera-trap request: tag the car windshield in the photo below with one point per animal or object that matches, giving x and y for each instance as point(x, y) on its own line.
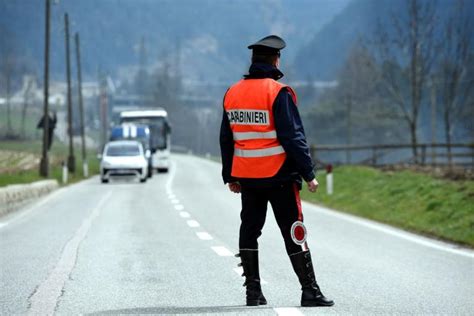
point(123, 150)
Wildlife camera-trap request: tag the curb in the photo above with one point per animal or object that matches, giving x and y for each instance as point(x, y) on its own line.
point(13, 197)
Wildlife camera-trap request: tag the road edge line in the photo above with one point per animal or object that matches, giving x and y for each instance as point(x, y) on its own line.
point(45, 298)
point(393, 231)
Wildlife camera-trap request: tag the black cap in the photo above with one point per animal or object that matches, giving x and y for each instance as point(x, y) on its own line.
point(271, 44)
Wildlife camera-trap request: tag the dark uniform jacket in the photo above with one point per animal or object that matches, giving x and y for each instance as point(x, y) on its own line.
point(290, 133)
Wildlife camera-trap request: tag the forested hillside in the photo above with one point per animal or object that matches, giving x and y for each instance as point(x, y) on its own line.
point(211, 35)
point(404, 73)
point(324, 55)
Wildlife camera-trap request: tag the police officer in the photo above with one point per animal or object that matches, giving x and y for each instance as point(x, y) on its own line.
point(264, 156)
point(52, 120)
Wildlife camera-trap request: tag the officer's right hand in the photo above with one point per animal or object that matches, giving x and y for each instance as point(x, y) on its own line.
point(234, 187)
point(313, 185)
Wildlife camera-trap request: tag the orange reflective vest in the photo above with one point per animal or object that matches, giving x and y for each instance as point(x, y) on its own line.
point(249, 107)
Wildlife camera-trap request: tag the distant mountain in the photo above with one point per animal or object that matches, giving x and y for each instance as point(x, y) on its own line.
point(212, 35)
point(326, 52)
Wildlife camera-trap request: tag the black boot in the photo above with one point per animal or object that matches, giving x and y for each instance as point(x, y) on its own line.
point(252, 277)
point(303, 267)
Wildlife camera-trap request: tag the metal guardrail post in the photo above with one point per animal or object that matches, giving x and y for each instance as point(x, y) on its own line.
point(472, 152)
point(374, 156)
point(423, 155)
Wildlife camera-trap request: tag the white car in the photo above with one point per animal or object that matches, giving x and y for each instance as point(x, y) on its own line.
point(123, 157)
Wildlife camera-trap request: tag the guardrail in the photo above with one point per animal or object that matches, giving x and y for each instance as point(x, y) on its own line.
point(436, 154)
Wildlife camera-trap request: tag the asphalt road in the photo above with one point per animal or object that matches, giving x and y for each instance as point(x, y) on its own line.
point(166, 246)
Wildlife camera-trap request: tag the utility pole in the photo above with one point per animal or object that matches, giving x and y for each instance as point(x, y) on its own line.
point(433, 121)
point(71, 161)
point(85, 168)
point(349, 102)
point(44, 164)
point(349, 128)
point(141, 75)
point(103, 105)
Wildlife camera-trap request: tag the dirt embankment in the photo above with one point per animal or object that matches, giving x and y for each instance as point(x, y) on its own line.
point(11, 161)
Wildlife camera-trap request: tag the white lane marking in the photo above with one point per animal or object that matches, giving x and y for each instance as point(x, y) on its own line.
point(33, 207)
point(287, 311)
point(184, 214)
point(240, 270)
point(392, 231)
point(179, 207)
point(171, 196)
point(169, 182)
point(45, 298)
point(222, 251)
point(175, 201)
point(193, 223)
point(204, 236)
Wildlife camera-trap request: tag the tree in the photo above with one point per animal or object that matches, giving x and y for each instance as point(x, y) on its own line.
point(142, 78)
point(357, 88)
point(6, 69)
point(27, 96)
point(6, 72)
point(453, 77)
point(407, 56)
point(13, 67)
point(354, 112)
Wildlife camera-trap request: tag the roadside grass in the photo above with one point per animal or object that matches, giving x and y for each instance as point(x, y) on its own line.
point(416, 202)
point(57, 155)
point(32, 117)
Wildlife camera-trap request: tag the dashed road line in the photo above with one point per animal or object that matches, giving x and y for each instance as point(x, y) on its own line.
point(169, 182)
point(204, 236)
point(45, 298)
point(222, 251)
point(239, 271)
point(175, 201)
point(184, 214)
point(179, 207)
point(193, 223)
point(287, 311)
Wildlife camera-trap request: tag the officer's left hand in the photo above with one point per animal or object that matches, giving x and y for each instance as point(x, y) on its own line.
point(234, 187)
point(313, 185)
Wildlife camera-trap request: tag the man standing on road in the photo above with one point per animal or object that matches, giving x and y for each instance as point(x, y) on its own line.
point(264, 156)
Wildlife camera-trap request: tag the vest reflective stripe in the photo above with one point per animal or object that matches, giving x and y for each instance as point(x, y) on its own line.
point(254, 135)
point(254, 153)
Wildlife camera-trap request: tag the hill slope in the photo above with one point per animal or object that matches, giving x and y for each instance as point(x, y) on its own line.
point(212, 33)
point(328, 49)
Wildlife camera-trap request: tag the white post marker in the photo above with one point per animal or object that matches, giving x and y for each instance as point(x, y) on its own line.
point(85, 169)
point(65, 173)
point(329, 180)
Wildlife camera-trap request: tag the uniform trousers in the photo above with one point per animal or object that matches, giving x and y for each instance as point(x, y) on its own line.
point(286, 205)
